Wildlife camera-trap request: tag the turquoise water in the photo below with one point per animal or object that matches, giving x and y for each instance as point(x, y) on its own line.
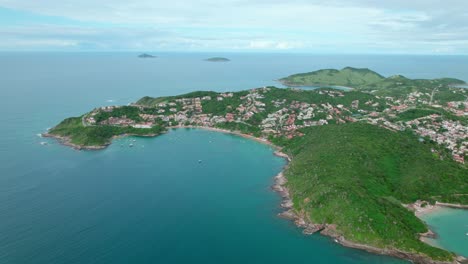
point(154, 203)
point(451, 226)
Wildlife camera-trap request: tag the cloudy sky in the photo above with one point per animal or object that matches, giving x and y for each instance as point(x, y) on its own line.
point(333, 26)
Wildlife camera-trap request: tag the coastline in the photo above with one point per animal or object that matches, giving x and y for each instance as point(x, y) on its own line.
point(66, 141)
point(422, 211)
point(437, 209)
point(237, 133)
point(300, 219)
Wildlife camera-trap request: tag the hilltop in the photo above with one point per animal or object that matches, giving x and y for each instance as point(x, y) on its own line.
point(357, 157)
point(370, 81)
point(351, 77)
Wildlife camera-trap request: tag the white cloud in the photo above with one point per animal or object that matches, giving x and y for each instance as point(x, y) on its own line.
point(306, 25)
point(272, 45)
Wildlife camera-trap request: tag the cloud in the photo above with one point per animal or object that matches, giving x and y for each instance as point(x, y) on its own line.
point(297, 25)
point(271, 45)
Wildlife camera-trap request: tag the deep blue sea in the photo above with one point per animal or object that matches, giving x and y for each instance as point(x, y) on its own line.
point(155, 203)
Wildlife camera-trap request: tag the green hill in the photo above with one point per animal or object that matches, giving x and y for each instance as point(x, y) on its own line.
point(357, 176)
point(73, 132)
point(365, 79)
point(348, 76)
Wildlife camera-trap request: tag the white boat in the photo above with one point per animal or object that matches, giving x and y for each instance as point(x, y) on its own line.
point(43, 143)
point(130, 145)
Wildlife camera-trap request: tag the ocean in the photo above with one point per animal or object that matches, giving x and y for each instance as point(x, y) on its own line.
point(155, 203)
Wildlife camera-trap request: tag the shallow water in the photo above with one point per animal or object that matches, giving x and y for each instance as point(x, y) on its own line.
point(451, 227)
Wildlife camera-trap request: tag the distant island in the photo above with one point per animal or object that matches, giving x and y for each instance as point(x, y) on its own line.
point(218, 59)
point(361, 162)
point(146, 56)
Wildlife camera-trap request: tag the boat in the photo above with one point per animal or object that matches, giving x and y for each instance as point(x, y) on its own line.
point(199, 161)
point(130, 145)
point(43, 143)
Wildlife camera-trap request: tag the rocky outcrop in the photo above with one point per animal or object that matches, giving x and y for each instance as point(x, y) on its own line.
point(67, 142)
point(429, 234)
point(282, 155)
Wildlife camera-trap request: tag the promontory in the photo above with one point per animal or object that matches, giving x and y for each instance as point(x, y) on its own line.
point(359, 158)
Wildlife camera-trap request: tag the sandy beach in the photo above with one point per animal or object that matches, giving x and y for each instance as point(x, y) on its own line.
point(261, 140)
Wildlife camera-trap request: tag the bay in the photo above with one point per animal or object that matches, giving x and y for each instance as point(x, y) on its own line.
point(154, 203)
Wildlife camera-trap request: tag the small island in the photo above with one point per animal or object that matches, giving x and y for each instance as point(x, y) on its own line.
point(146, 56)
point(218, 59)
point(360, 162)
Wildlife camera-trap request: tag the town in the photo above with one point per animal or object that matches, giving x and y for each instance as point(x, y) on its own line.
point(263, 113)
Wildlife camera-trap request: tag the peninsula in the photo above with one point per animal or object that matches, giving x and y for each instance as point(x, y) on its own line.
point(218, 59)
point(359, 159)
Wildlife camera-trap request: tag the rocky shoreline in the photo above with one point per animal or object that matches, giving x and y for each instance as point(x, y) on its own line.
point(300, 219)
point(67, 142)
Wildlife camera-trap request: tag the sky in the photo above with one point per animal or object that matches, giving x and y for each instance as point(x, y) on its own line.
point(310, 26)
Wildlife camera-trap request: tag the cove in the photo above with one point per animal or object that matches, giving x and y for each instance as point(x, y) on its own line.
point(156, 203)
point(451, 227)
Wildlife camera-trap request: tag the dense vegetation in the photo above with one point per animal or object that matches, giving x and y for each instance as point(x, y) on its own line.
point(130, 112)
point(96, 135)
point(357, 176)
point(348, 76)
point(366, 80)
